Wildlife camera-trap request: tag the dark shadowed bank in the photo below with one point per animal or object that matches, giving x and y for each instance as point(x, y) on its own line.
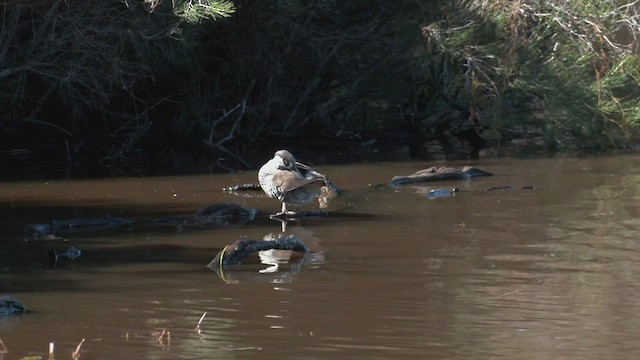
point(99, 88)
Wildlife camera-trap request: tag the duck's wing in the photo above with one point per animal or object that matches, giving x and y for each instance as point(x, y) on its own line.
point(288, 181)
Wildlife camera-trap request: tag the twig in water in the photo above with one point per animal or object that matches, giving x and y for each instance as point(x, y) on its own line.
point(161, 338)
point(198, 325)
point(200, 321)
point(3, 349)
point(76, 354)
point(509, 293)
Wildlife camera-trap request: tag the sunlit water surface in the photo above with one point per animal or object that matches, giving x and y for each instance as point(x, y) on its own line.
point(547, 273)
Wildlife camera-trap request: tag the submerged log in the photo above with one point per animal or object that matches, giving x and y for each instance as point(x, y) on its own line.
point(218, 214)
point(435, 173)
point(57, 227)
point(234, 254)
point(242, 187)
point(10, 306)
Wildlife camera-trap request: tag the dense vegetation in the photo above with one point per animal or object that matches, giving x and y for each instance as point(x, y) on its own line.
point(128, 84)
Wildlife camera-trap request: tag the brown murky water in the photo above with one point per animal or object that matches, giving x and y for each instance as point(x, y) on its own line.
point(522, 274)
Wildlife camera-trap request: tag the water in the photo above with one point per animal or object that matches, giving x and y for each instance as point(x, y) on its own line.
point(552, 272)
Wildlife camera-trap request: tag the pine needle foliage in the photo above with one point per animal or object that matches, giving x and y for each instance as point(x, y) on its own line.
point(572, 66)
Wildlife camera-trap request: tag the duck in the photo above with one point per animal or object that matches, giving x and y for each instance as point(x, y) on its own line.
point(293, 183)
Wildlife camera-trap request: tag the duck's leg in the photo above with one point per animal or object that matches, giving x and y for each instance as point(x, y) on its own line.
point(281, 213)
point(284, 212)
point(287, 212)
point(291, 213)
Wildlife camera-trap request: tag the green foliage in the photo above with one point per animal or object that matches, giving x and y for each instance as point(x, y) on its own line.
point(297, 67)
point(196, 11)
point(115, 74)
point(572, 61)
point(619, 94)
point(81, 74)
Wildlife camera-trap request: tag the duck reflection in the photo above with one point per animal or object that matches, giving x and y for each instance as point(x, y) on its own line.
point(284, 255)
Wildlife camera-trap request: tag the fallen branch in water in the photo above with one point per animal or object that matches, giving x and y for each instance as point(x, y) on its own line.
point(242, 187)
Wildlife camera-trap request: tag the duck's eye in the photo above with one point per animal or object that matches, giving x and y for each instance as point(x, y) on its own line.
point(286, 162)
